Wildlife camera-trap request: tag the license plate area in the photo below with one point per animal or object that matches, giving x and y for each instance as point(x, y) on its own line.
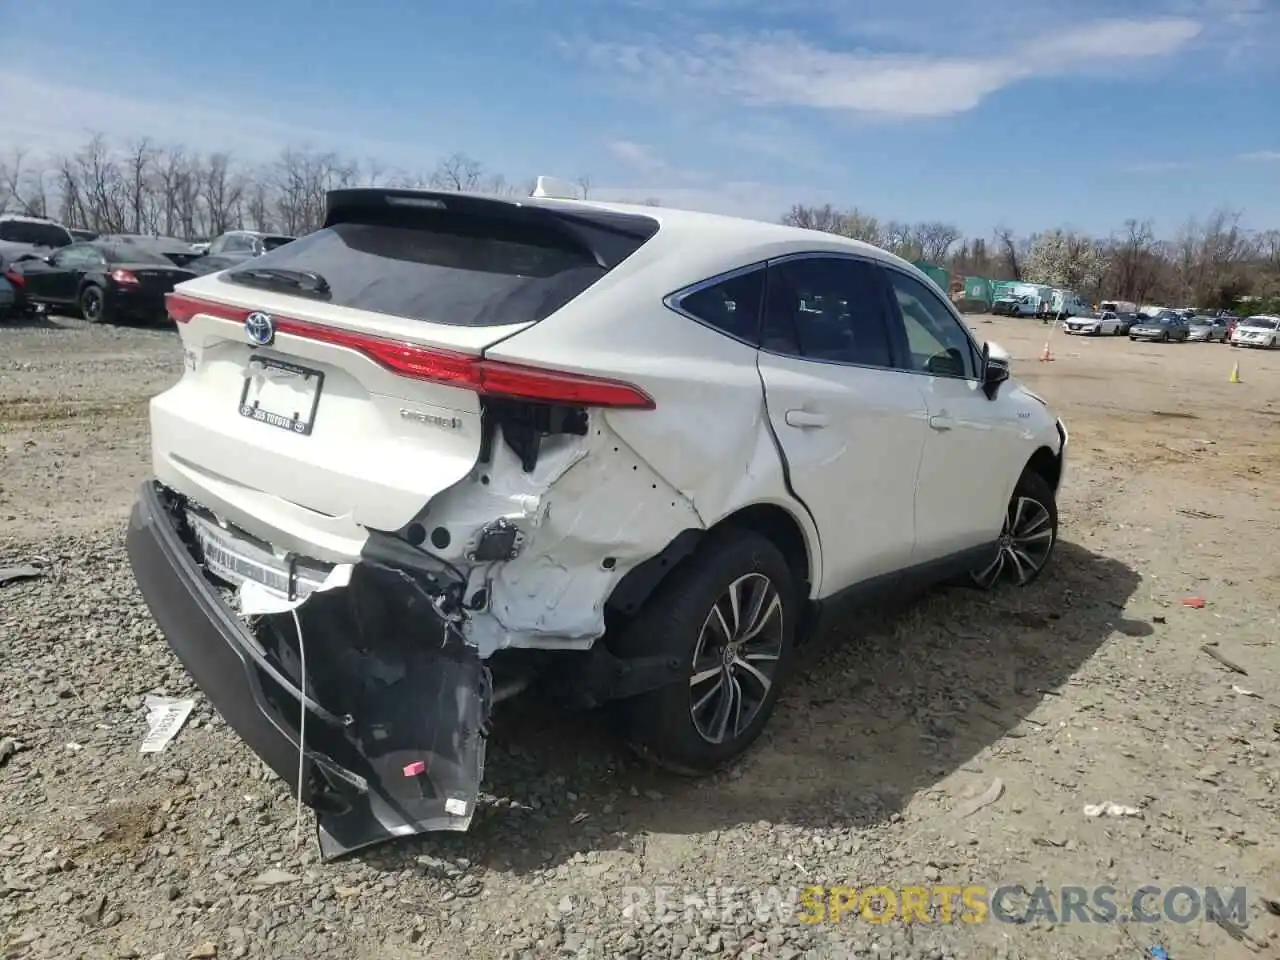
point(281, 394)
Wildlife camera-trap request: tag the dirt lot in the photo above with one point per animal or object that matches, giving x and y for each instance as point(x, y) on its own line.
point(1089, 687)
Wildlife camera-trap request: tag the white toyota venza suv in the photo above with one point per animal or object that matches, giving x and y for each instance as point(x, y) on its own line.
point(450, 445)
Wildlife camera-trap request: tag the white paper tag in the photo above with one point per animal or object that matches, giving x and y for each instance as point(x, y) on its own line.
point(456, 807)
point(165, 717)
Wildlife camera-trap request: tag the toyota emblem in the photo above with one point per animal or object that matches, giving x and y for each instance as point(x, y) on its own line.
point(260, 329)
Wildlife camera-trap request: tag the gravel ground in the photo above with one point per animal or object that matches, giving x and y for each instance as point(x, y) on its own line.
point(1089, 687)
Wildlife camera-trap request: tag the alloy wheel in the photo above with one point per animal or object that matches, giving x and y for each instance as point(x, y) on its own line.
point(736, 658)
point(91, 306)
point(1025, 544)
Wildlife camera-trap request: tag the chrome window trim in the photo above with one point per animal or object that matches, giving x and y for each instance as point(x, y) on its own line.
point(672, 302)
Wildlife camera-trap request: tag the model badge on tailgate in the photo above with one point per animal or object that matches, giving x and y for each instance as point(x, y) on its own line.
point(449, 423)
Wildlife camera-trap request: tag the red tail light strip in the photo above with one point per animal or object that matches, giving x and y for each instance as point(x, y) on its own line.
point(488, 377)
point(14, 277)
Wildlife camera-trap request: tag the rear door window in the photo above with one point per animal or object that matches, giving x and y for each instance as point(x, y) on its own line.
point(828, 309)
point(448, 268)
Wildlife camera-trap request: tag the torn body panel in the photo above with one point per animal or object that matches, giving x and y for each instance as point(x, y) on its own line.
point(582, 516)
point(396, 703)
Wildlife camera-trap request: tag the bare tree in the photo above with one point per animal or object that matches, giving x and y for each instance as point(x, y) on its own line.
point(23, 187)
point(936, 240)
point(1010, 249)
point(457, 172)
point(1134, 261)
point(901, 238)
point(135, 186)
point(223, 194)
point(825, 218)
point(145, 187)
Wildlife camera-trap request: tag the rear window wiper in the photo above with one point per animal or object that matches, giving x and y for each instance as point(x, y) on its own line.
point(304, 282)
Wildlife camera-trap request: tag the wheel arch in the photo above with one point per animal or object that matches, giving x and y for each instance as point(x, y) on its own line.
point(1048, 465)
point(90, 281)
point(785, 528)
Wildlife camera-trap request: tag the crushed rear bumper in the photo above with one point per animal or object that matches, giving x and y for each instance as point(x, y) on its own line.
point(397, 705)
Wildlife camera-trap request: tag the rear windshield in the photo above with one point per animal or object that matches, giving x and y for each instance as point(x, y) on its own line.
point(129, 253)
point(461, 270)
point(1261, 323)
point(36, 234)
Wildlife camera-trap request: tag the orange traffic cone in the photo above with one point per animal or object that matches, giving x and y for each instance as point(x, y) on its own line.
point(1235, 374)
point(1046, 354)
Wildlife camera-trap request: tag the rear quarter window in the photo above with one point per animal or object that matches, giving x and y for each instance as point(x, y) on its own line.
point(460, 270)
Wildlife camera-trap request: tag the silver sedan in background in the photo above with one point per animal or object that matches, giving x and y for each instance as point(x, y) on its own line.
point(1208, 329)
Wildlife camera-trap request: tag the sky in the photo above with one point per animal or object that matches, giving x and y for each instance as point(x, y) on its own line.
point(981, 113)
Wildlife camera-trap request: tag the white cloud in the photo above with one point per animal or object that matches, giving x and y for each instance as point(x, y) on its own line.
point(761, 201)
point(1262, 156)
point(637, 156)
point(43, 117)
point(785, 70)
point(1157, 166)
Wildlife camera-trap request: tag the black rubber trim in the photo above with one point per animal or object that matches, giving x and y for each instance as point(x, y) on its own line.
point(218, 650)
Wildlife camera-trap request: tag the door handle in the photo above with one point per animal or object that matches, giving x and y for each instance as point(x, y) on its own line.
point(941, 421)
point(806, 418)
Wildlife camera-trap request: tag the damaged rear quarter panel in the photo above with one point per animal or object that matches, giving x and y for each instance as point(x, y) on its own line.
point(590, 511)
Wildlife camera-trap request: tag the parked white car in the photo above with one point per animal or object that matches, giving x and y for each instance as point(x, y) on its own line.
point(447, 444)
point(1260, 331)
point(1106, 323)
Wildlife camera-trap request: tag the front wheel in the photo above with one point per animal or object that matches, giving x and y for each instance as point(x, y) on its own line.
point(729, 618)
point(1027, 539)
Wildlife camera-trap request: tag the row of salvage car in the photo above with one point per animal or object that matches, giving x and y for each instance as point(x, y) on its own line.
point(1171, 326)
point(103, 277)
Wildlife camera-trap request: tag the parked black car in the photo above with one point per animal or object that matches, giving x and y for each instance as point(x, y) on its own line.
point(236, 246)
point(103, 281)
point(178, 251)
point(1127, 321)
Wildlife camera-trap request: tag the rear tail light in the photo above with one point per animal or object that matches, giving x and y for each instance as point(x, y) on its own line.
point(124, 277)
point(487, 377)
point(14, 277)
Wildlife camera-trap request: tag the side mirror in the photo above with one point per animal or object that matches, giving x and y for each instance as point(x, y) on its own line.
point(995, 371)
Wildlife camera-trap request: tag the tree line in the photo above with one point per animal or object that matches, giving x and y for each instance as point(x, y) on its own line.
point(145, 187)
point(1212, 262)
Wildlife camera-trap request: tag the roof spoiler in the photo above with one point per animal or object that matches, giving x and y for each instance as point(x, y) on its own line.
point(610, 237)
point(343, 205)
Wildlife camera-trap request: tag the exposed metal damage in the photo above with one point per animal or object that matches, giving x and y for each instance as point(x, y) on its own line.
point(400, 746)
point(546, 526)
point(397, 647)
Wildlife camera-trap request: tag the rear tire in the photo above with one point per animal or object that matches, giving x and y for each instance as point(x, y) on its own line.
point(1028, 537)
point(728, 615)
point(93, 304)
